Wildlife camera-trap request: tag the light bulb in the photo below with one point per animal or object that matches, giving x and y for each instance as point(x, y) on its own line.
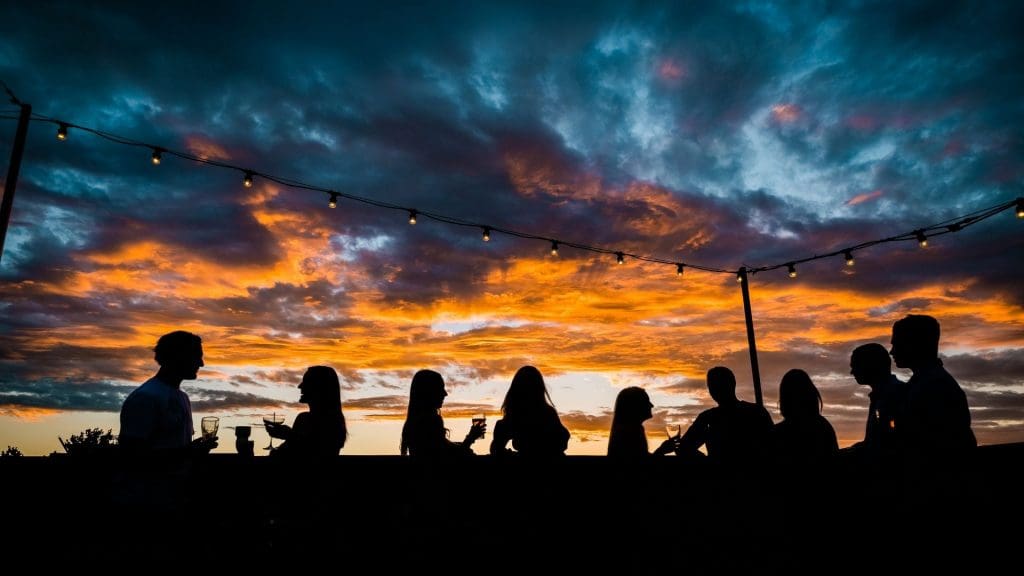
point(62, 131)
point(679, 269)
point(554, 248)
point(792, 270)
point(849, 257)
point(156, 156)
point(248, 180)
point(922, 240)
point(333, 202)
point(412, 217)
point(487, 234)
point(1020, 207)
point(620, 257)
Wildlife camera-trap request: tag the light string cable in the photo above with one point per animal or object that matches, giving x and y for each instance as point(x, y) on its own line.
point(920, 234)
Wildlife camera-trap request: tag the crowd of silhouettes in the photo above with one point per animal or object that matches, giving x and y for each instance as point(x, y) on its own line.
point(917, 437)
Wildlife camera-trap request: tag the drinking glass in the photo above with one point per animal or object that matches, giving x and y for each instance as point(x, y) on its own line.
point(673, 430)
point(269, 421)
point(209, 427)
point(479, 420)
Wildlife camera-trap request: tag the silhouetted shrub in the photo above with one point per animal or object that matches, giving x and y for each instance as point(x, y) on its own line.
point(90, 442)
point(11, 452)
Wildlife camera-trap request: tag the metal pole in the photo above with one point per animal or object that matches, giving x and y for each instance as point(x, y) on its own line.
point(751, 345)
point(12, 173)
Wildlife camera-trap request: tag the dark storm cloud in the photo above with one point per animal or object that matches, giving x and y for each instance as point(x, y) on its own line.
point(64, 395)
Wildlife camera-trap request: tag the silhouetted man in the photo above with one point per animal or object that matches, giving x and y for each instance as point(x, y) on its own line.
point(157, 416)
point(735, 432)
point(938, 443)
point(938, 422)
point(871, 365)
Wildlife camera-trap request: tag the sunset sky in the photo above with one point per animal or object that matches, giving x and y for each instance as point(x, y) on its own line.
point(725, 136)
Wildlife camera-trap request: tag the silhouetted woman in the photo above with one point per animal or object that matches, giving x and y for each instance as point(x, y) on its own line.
point(424, 434)
point(805, 446)
point(804, 437)
point(529, 419)
point(321, 431)
point(628, 438)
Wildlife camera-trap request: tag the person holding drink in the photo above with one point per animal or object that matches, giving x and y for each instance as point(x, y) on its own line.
point(628, 438)
point(424, 434)
point(320, 432)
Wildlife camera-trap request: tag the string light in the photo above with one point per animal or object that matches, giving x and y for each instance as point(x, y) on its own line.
point(487, 234)
point(922, 240)
point(333, 202)
point(921, 234)
point(792, 270)
point(679, 269)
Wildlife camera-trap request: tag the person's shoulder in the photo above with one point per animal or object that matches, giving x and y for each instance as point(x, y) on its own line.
point(148, 390)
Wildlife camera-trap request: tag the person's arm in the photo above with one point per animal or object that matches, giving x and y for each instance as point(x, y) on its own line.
point(666, 447)
point(695, 437)
point(500, 438)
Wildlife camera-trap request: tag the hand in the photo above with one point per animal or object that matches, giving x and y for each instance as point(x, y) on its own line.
point(278, 430)
point(667, 446)
point(204, 444)
point(476, 431)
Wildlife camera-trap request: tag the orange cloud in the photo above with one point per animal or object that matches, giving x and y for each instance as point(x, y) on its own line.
point(860, 198)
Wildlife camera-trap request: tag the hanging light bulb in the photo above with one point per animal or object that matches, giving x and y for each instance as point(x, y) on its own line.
point(333, 202)
point(412, 217)
point(62, 131)
point(849, 257)
point(554, 248)
point(620, 258)
point(792, 270)
point(1020, 207)
point(679, 269)
point(922, 240)
point(248, 179)
point(487, 234)
point(156, 156)
point(739, 277)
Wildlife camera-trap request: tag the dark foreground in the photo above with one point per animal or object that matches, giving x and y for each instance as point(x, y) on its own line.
point(384, 514)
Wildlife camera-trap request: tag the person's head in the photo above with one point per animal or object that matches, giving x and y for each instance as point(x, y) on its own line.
point(722, 385)
point(179, 354)
point(632, 406)
point(320, 389)
point(915, 341)
point(798, 397)
point(527, 392)
point(426, 395)
point(870, 364)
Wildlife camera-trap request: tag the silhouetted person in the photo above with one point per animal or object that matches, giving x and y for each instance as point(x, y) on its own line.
point(529, 419)
point(157, 416)
point(628, 438)
point(937, 438)
point(424, 434)
point(735, 432)
point(804, 446)
point(153, 493)
point(804, 439)
point(871, 365)
point(320, 432)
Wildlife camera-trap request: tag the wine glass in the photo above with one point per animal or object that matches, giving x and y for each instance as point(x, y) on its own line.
point(269, 421)
point(673, 431)
point(208, 426)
